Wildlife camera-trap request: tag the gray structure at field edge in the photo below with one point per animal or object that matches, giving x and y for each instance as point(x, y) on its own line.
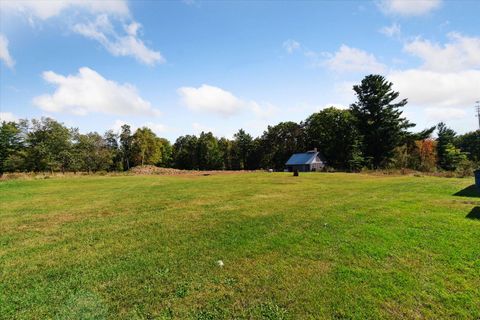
point(307, 161)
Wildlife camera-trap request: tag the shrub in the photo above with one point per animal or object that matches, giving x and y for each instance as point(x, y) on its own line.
point(465, 168)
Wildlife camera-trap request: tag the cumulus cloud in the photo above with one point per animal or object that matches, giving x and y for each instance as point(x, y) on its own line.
point(211, 99)
point(4, 53)
point(47, 9)
point(345, 59)
point(460, 53)
point(291, 45)
point(89, 92)
point(408, 7)
point(128, 44)
point(8, 117)
point(158, 128)
point(391, 31)
point(448, 78)
point(430, 88)
point(348, 59)
point(132, 28)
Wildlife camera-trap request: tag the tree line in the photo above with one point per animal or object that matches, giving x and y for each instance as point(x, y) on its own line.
point(372, 134)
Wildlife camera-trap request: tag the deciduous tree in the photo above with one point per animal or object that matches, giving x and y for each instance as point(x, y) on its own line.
point(126, 145)
point(279, 142)
point(47, 143)
point(147, 147)
point(333, 132)
point(11, 147)
point(470, 143)
point(208, 152)
point(185, 152)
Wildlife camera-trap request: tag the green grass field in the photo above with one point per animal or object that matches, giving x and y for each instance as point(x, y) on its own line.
point(343, 246)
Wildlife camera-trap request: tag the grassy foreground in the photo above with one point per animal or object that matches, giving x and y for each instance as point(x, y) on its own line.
point(320, 246)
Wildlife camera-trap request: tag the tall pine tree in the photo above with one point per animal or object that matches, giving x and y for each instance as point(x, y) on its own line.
point(379, 119)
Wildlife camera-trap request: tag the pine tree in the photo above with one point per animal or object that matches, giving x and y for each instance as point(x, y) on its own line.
point(379, 119)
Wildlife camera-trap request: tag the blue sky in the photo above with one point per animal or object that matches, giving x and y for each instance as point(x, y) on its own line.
point(181, 67)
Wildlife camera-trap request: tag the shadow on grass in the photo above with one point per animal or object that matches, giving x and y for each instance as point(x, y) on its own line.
point(474, 214)
point(470, 191)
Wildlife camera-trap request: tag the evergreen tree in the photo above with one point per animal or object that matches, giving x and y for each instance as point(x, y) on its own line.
point(446, 137)
point(242, 147)
point(226, 149)
point(379, 119)
point(256, 155)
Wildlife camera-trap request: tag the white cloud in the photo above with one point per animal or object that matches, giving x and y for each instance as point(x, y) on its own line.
point(4, 53)
point(344, 91)
point(103, 31)
point(348, 59)
point(8, 117)
point(445, 114)
point(158, 128)
point(391, 31)
point(117, 125)
point(47, 9)
point(212, 99)
point(430, 88)
point(132, 28)
point(408, 7)
point(460, 53)
point(118, 41)
point(291, 45)
point(345, 59)
point(89, 92)
point(448, 79)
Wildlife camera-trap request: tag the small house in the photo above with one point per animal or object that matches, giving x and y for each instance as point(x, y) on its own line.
point(307, 161)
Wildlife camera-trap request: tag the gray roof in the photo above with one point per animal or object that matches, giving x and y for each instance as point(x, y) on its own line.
point(302, 158)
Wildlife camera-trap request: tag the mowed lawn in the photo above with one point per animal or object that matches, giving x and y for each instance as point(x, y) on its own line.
point(343, 246)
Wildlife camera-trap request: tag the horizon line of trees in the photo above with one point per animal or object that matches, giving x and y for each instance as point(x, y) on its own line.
point(372, 134)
